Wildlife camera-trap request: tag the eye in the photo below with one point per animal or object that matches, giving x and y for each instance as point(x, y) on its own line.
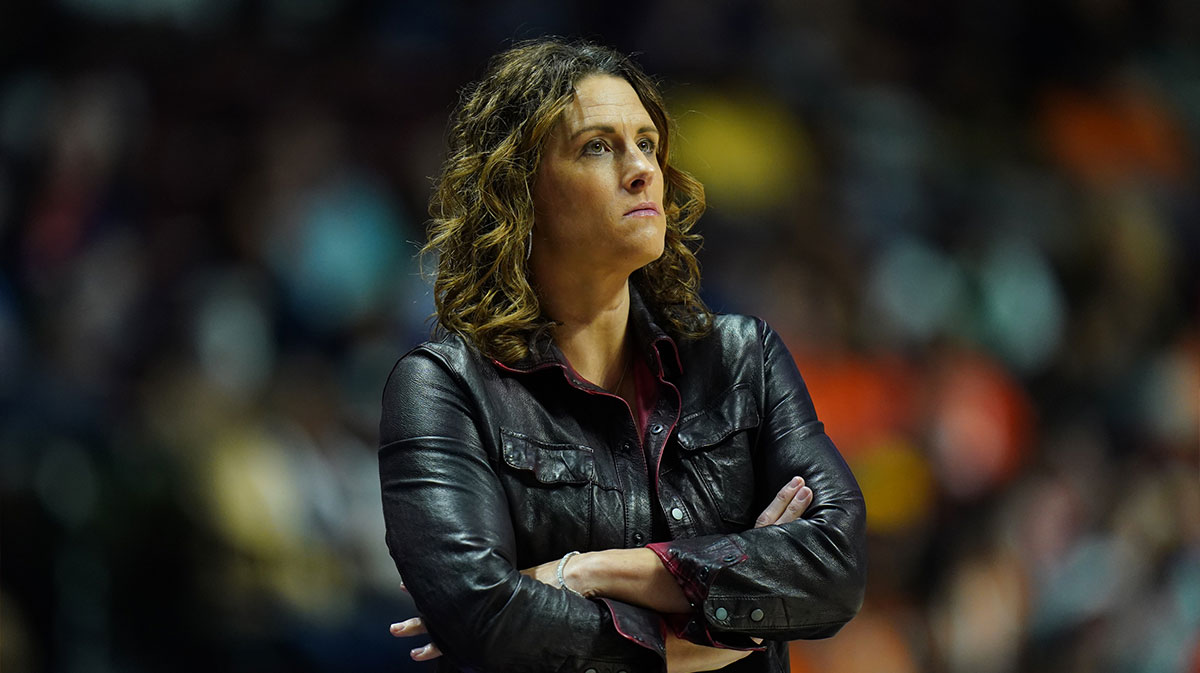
point(646, 145)
point(594, 147)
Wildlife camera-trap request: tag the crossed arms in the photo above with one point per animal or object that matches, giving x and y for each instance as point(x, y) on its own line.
point(451, 534)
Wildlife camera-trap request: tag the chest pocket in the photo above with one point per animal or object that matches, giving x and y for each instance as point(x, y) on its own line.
point(548, 463)
point(550, 494)
point(716, 447)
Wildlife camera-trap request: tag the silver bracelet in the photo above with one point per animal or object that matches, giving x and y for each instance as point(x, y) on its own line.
point(562, 563)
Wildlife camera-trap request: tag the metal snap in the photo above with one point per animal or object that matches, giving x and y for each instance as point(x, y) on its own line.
point(721, 614)
point(656, 428)
point(756, 615)
point(677, 514)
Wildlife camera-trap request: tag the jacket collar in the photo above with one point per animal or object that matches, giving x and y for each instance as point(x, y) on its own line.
point(651, 341)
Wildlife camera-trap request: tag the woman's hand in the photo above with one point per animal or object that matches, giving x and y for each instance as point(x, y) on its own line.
point(684, 656)
point(416, 627)
point(787, 505)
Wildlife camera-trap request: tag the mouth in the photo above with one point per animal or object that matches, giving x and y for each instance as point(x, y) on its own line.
point(646, 209)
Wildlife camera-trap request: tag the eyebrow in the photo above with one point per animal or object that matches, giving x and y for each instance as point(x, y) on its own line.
point(609, 129)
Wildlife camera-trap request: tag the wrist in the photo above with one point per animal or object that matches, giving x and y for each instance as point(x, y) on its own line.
point(560, 574)
point(579, 574)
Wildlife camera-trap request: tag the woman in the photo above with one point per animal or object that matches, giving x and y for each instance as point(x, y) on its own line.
point(583, 399)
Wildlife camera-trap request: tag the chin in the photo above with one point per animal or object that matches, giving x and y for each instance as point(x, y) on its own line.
point(647, 247)
point(650, 254)
point(658, 251)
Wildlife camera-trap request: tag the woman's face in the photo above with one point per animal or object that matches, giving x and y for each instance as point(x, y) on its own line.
point(598, 192)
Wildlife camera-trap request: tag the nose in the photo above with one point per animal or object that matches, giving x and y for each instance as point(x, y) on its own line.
point(640, 170)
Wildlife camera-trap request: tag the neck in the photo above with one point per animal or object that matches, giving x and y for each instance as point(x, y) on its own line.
point(594, 318)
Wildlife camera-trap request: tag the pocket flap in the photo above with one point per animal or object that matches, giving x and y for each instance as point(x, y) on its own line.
point(550, 463)
point(734, 411)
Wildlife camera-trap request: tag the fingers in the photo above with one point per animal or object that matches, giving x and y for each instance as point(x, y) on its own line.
point(408, 627)
point(425, 653)
point(787, 505)
point(779, 503)
point(416, 627)
point(796, 507)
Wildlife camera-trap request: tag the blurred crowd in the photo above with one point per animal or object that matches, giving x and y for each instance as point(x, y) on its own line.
point(977, 226)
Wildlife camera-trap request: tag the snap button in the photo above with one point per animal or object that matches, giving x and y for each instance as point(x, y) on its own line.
point(721, 613)
point(756, 615)
point(656, 428)
point(730, 558)
point(677, 514)
point(590, 670)
point(637, 537)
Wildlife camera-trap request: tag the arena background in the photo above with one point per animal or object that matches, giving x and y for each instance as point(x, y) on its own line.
point(976, 224)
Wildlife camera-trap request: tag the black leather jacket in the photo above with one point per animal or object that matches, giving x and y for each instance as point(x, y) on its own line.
point(487, 469)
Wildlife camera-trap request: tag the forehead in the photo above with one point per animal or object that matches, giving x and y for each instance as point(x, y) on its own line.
point(605, 99)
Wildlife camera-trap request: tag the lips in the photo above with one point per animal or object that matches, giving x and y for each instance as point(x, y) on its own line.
point(645, 209)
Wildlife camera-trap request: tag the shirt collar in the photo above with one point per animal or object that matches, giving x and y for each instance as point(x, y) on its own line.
point(656, 346)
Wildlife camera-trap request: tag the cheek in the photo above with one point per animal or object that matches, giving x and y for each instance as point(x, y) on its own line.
point(546, 193)
point(552, 203)
point(570, 192)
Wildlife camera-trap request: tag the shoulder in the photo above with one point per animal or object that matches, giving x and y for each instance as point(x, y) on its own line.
point(740, 347)
point(730, 333)
point(449, 351)
point(733, 326)
point(433, 381)
point(731, 352)
point(445, 359)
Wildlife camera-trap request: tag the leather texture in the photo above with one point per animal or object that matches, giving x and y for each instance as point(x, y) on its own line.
point(488, 468)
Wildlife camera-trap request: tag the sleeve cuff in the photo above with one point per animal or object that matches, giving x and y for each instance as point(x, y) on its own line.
point(693, 628)
point(641, 626)
point(695, 565)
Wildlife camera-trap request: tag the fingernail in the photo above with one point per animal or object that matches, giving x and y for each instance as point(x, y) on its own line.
point(418, 651)
point(398, 627)
point(796, 481)
point(805, 492)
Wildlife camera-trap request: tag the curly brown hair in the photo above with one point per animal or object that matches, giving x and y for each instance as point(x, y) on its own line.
point(482, 206)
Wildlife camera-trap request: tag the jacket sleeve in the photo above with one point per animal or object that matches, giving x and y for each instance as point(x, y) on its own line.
point(803, 579)
point(450, 534)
